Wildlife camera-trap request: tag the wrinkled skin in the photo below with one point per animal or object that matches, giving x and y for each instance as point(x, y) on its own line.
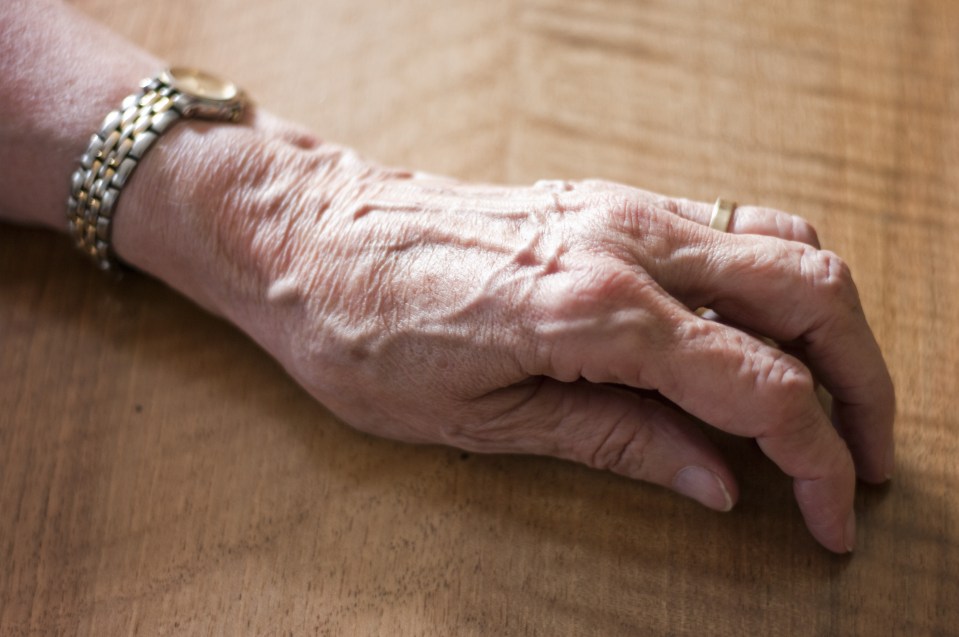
point(552, 319)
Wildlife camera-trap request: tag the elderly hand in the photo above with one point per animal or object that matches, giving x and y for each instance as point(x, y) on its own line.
point(556, 319)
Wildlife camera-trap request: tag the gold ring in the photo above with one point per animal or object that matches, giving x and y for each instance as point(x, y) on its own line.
point(722, 214)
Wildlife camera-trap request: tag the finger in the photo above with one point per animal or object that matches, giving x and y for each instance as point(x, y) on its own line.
point(745, 387)
point(791, 292)
point(794, 349)
point(745, 219)
point(740, 385)
point(612, 429)
point(640, 336)
point(748, 220)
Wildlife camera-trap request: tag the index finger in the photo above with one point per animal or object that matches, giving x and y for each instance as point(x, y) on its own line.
point(793, 293)
point(741, 385)
point(635, 334)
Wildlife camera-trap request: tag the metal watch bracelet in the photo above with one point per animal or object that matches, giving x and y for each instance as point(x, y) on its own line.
point(125, 135)
point(114, 151)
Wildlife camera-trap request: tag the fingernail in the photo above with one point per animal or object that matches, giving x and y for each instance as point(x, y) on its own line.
point(849, 533)
point(704, 486)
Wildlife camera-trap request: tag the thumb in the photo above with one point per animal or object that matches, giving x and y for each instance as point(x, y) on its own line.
point(613, 429)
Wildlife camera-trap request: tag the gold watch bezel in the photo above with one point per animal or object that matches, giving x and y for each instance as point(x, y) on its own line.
point(200, 84)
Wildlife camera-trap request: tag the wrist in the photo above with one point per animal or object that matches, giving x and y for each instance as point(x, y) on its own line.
point(211, 204)
point(60, 74)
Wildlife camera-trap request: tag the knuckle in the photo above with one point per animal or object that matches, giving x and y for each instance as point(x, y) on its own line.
point(786, 386)
point(554, 185)
point(786, 379)
point(633, 217)
point(624, 448)
point(638, 229)
point(828, 276)
point(586, 314)
point(591, 291)
point(611, 301)
point(596, 184)
point(670, 205)
point(629, 225)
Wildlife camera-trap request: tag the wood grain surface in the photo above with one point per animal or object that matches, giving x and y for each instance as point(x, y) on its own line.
point(160, 475)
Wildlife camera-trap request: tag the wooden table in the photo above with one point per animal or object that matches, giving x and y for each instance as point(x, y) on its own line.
point(161, 475)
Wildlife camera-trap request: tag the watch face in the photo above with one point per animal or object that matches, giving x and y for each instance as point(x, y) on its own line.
point(200, 84)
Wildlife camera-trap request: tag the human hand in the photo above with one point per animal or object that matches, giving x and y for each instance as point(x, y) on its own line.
point(550, 319)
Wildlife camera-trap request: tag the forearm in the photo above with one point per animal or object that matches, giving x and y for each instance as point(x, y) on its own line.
point(60, 74)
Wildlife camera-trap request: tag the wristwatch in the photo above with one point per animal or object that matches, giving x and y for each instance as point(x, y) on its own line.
point(126, 134)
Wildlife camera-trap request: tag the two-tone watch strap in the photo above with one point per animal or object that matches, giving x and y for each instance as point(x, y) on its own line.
point(112, 156)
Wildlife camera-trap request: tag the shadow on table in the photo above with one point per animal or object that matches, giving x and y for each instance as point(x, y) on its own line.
point(569, 549)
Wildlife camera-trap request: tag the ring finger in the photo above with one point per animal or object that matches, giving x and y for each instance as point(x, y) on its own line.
point(748, 220)
point(745, 219)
